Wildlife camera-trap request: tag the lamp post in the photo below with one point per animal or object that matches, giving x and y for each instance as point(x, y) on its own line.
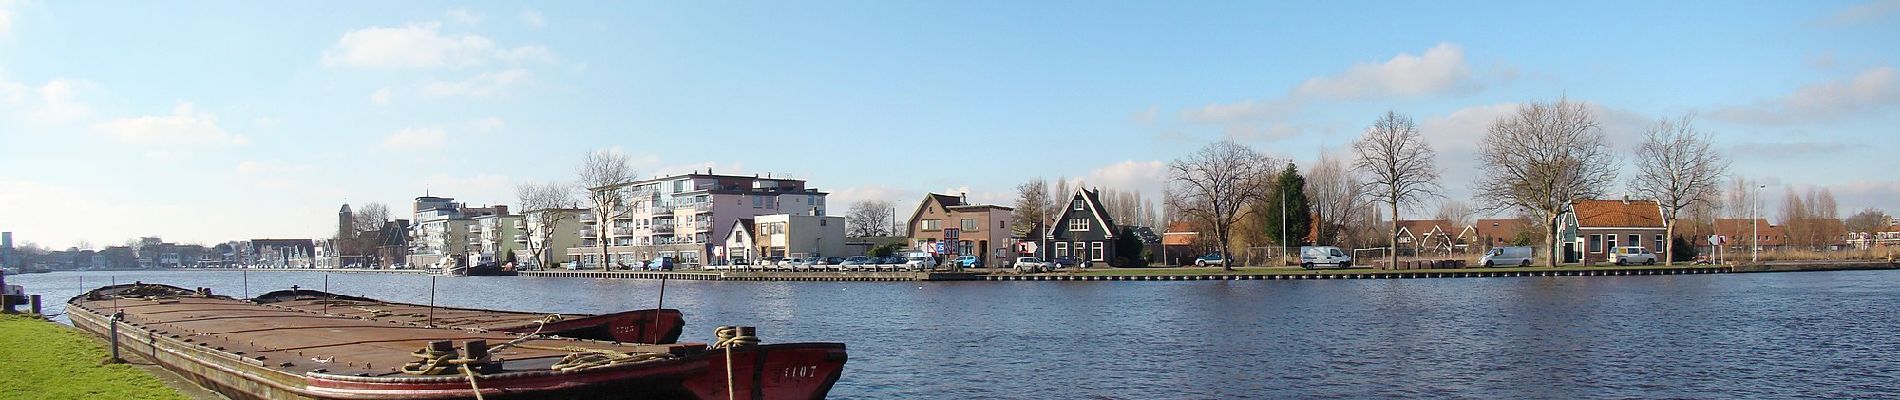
point(1755, 220)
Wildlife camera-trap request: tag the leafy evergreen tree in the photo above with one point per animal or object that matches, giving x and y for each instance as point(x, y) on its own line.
point(1298, 209)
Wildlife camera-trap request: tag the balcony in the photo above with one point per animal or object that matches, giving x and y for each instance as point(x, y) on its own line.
point(668, 229)
point(623, 231)
point(521, 224)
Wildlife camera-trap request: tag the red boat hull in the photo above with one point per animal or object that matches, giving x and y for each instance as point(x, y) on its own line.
point(789, 371)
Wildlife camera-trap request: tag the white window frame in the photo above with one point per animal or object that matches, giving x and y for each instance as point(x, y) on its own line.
point(1062, 249)
point(968, 224)
point(1078, 224)
point(1095, 251)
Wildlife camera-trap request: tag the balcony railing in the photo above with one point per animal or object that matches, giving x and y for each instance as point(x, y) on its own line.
point(662, 229)
point(623, 231)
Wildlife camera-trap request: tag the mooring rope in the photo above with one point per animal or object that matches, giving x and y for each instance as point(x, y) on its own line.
point(439, 362)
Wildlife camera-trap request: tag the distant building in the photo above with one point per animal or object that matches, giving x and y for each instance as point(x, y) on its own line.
point(687, 216)
point(789, 235)
point(1082, 230)
point(555, 242)
point(282, 253)
point(963, 229)
point(1592, 228)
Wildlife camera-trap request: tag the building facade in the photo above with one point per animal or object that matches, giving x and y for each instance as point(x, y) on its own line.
point(1592, 228)
point(788, 235)
point(551, 232)
point(950, 226)
point(1084, 230)
point(686, 217)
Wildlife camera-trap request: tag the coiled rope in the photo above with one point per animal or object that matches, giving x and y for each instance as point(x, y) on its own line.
point(731, 337)
point(442, 362)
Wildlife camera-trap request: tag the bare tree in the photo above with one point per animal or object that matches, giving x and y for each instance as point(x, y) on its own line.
point(366, 229)
point(1337, 198)
point(1402, 167)
point(544, 206)
point(604, 175)
point(1679, 167)
point(870, 218)
point(1033, 206)
point(1214, 186)
point(1867, 220)
point(1459, 213)
point(1540, 159)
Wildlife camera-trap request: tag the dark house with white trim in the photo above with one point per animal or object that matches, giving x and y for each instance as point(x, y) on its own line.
point(1084, 230)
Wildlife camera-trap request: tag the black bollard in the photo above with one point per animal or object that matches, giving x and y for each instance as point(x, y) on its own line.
point(36, 304)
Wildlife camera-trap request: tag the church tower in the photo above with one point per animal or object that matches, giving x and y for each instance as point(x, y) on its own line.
point(344, 231)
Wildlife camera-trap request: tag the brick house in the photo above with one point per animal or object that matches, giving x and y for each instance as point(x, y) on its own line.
point(1593, 227)
point(963, 229)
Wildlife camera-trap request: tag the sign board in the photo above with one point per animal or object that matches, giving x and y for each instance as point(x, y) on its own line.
point(938, 248)
point(719, 251)
point(1027, 247)
point(1717, 240)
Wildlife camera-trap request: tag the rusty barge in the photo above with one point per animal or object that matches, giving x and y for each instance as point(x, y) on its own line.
point(656, 326)
point(247, 350)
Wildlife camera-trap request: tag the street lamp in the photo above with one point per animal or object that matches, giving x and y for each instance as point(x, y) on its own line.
point(1755, 219)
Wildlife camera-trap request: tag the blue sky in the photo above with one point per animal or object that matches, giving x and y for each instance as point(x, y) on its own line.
point(211, 121)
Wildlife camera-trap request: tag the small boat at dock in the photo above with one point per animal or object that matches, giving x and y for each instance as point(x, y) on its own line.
point(256, 350)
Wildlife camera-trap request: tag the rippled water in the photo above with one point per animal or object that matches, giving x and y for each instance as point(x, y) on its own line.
point(1817, 335)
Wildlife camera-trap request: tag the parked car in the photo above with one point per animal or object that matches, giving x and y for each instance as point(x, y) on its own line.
point(855, 261)
point(969, 261)
point(1030, 264)
point(1210, 259)
point(1064, 262)
point(1314, 256)
point(920, 263)
point(1514, 255)
point(1628, 255)
point(660, 263)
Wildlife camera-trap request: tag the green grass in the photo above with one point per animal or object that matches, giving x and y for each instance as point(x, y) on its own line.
point(45, 360)
point(1298, 271)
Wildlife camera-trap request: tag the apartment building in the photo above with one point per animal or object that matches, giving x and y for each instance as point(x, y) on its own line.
point(499, 236)
point(686, 216)
point(444, 228)
point(551, 232)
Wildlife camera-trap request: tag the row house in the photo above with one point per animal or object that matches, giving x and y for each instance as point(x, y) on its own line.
point(1428, 236)
point(686, 216)
point(783, 235)
point(1741, 233)
point(281, 253)
point(949, 226)
point(1591, 228)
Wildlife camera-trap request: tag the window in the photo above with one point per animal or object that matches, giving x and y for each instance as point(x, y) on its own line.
point(1002, 224)
point(1078, 224)
point(1078, 205)
point(1659, 242)
point(968, 224)
point(965, 247)
point(1610, 241)
point(1095, 251)
point(1635, 240)
point(1596, 243)
point(1062, 249)
point(758, 201)
point(931, 225)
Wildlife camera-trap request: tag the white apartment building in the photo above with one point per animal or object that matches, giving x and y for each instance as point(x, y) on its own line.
point(445, 228)
point(790, 235)
point(688, 216)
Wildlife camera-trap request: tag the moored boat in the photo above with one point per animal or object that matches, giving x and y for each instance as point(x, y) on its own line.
point(247, 350)
point(757, 371)
point(660, 326)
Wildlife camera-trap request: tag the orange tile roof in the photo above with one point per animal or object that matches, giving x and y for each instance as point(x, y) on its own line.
point(1617, 213)
point(1506, 228)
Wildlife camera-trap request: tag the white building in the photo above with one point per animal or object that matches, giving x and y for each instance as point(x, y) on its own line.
point(687, 216)
point(785, 235)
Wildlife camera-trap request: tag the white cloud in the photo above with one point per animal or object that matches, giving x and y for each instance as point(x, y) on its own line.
point(533, 19)
point(6, 19)
point(1148, 177)
point(1870, 91)
point(464, 16)
point(59, 100)
point(489, 124)
point(415, 139)
point(1441, 70)
point(841, 200)
point(185, 126)
point(487, 84)
point(381, 96)
point(422, 45)
point(1859, 13)
point(1247, 110)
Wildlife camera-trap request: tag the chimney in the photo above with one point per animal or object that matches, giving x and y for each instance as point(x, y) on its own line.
point(1626, 198)
point(963, 198)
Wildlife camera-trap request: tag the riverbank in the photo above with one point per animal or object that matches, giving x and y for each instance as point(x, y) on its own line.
point(45, 360)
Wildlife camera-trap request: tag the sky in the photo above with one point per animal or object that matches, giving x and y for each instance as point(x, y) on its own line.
point(204, 122)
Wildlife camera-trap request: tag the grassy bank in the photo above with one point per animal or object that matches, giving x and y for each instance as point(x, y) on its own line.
point(44, 360)
point(1298, 271)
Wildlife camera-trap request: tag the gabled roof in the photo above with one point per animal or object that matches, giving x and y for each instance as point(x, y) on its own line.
point(744, 225)
point(1617, 213)
point(1093, 200)
point(1146, 234)
point(1421, 227)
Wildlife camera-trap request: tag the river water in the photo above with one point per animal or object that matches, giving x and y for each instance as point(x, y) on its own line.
point(1784, 335)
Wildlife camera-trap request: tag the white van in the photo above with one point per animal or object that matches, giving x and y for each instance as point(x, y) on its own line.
point(1515, 255)
point(1311, 256)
